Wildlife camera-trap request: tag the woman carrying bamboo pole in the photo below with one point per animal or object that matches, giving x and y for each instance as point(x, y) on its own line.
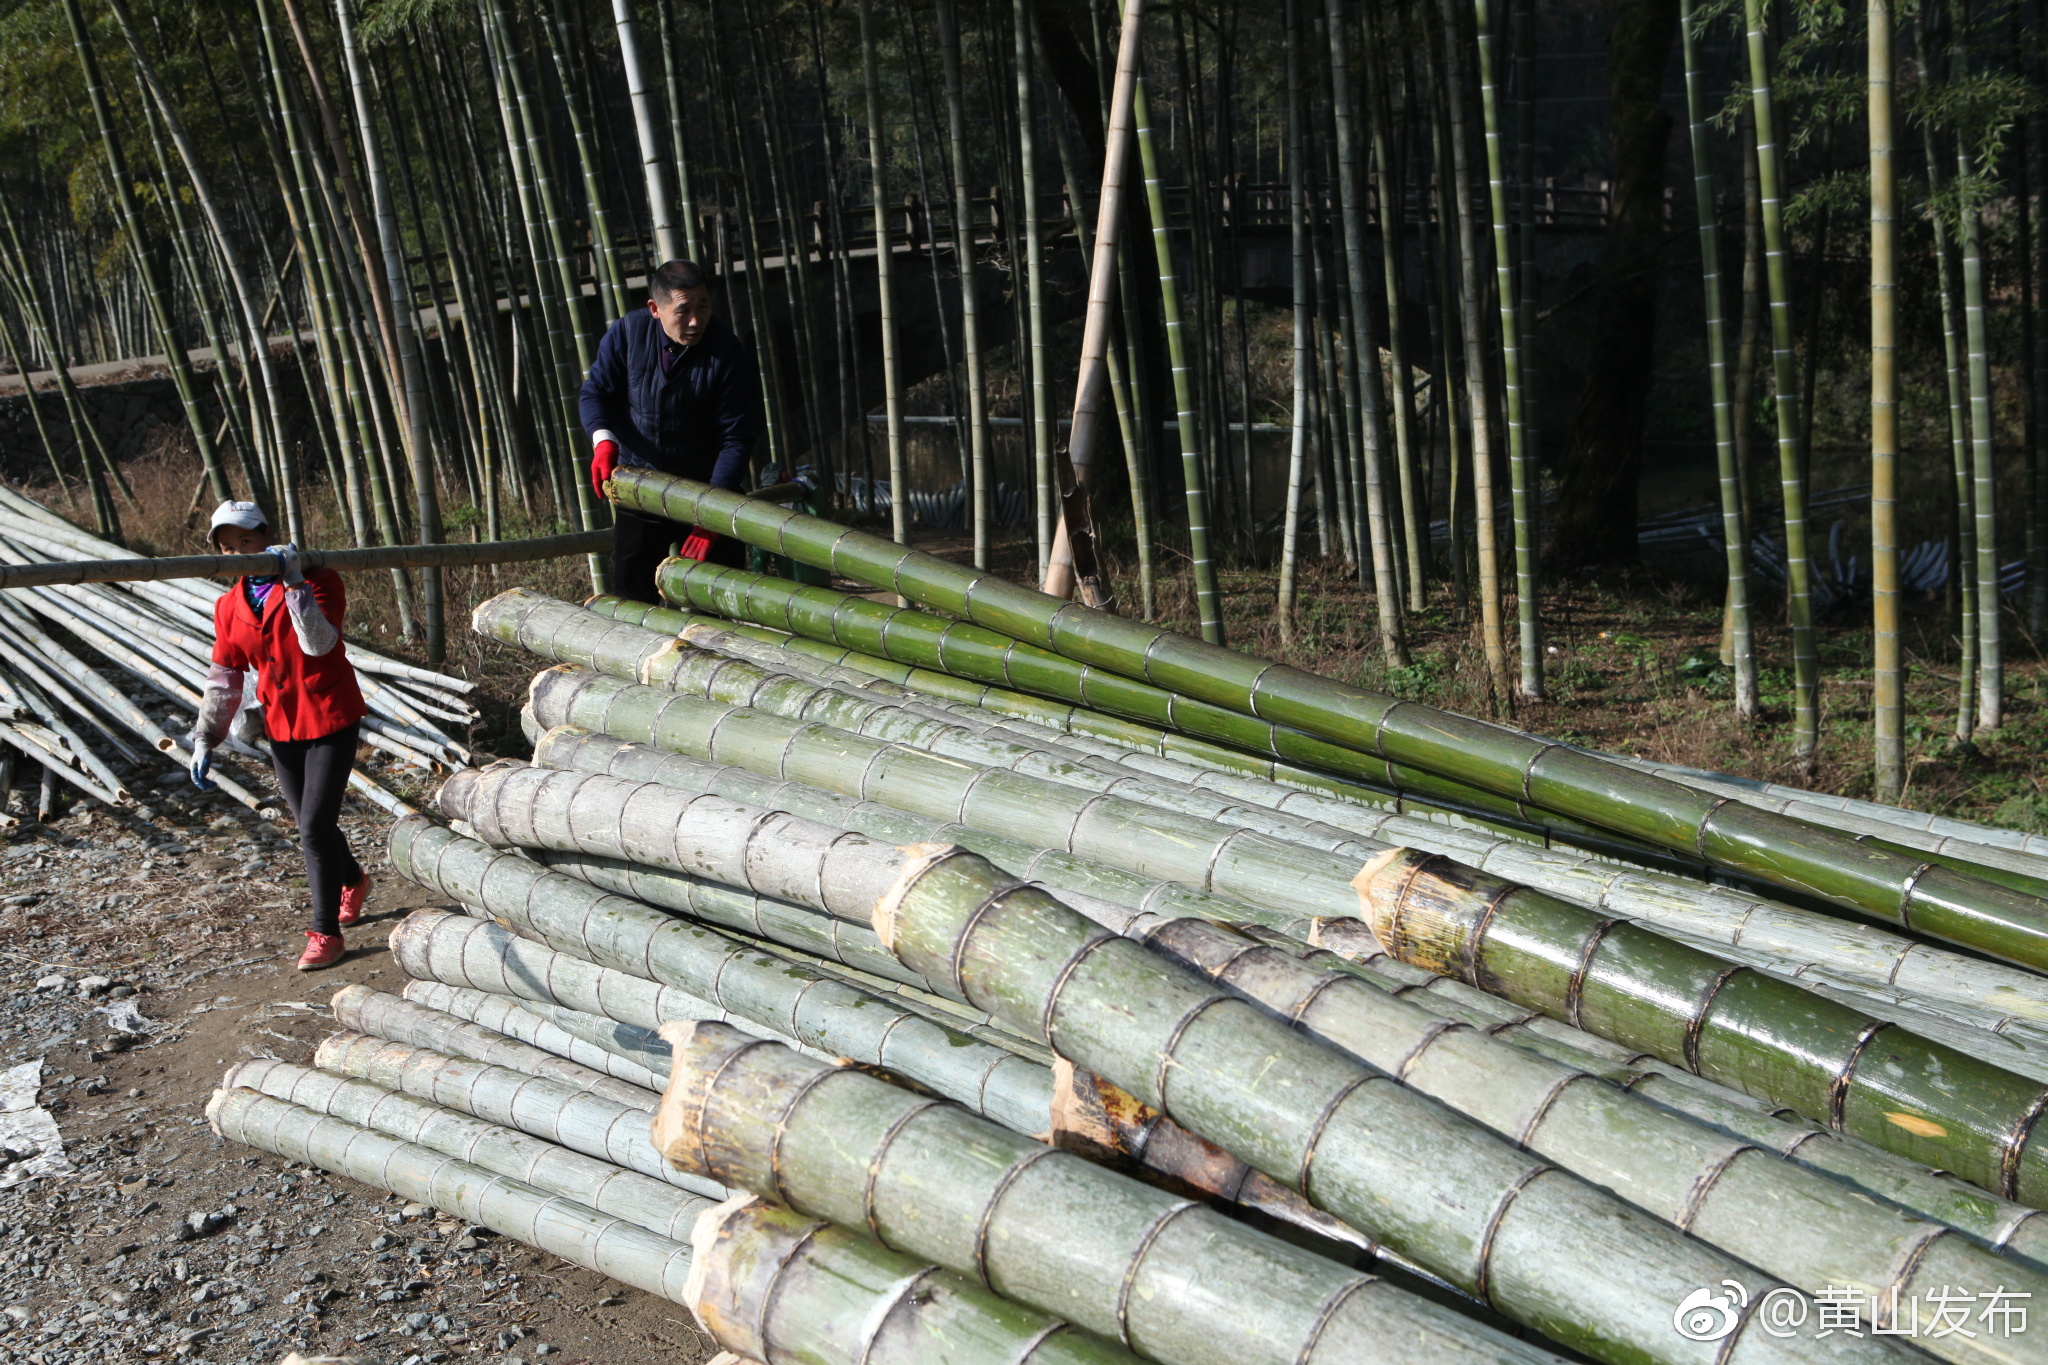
point(311, 707)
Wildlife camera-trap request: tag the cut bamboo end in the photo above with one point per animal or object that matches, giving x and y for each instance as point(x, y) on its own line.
point(1420, 906)
point(709, 1291)
point(918, 859)
point(699, 1049)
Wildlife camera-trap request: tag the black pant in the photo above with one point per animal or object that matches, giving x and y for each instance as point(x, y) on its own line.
point(313, 774)
point(640, 543)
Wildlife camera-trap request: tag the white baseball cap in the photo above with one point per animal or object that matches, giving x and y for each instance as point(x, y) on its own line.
point(244, 514)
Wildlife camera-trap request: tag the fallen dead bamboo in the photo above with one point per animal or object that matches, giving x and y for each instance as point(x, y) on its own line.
point(561, 1227)
point(773, 993)
point(1165, 1276)
point(771, 1285)
point(1762, 1034)
point(451, 555)
point(656, 1205)
point(1717, 1187)
point(1536, 1243)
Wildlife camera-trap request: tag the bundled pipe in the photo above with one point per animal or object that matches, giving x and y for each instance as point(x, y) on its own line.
point(1893, 888)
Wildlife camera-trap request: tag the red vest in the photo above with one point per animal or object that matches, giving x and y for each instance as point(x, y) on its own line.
point(302, 698)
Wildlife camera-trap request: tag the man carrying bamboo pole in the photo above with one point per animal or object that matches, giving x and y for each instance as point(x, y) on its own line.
point(674, 389)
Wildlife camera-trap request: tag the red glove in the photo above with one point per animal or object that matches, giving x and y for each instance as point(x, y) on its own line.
point(698, 546)
point(602, 461)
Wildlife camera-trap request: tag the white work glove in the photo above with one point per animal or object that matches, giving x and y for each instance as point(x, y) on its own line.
point(288, 566)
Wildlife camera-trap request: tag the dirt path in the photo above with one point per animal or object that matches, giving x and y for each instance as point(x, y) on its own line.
point(202, 923)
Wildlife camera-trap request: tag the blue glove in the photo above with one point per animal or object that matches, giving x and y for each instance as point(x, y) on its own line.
point(202, 763)
point(288, 567)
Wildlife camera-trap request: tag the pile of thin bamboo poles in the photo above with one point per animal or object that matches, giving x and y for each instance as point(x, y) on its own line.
point(96, 678)
point(900, 911)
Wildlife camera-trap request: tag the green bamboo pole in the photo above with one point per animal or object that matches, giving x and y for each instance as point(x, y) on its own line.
point(525, 1022)
point(660, 1208)
point(1734, 531)
point(771, 992)
point(646, 129)
point(378, 1014)
point(1513, 332)
point(1121, 831)
point(176, 358)
point(562, 1227)
point(1722, 1189)
point(679, 147)
point(2012, 1229)
point(1531, 1240)
point(1045, 498)
point(1194, 483)
point(857, 1152)
point(1449, 68)
point(573, 749)
point(1769, 1037)
point(1785, 399)
point(1891, 888)
point(773, 1286)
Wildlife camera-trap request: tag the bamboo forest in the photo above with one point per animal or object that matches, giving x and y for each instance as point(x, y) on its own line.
point(1023, 682)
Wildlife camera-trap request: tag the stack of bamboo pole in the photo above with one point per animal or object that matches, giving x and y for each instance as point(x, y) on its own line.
point(70, 708)
point(868, 979)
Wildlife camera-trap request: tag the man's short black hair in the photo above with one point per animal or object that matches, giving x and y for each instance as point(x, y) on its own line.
point(673, 277)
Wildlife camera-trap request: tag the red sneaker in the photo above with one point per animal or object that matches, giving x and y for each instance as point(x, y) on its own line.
point(353, 898)
point(322, 950)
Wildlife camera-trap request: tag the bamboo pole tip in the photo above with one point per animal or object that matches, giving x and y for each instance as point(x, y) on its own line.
point(1382, 879)
point(216, 1102)
point(917, 860)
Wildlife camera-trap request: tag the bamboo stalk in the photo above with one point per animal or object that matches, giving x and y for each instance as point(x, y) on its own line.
point(1513, 332)
point(656, 1205)
point(1774, 1039)
point(1258, 867)
point(1785, 401)
point(1716, 1186)
point(568, 747)
point(857, 1152)
point(619, 1044)
point(1890, 888)
point(578, 1234)
point(526, 1022)
point(366, 1010)
point(1437, 1188)
point(1734, 529)
point(899, 473)
point(1194, 482)
point(2012, 1229)
point(774, 1286)
point(773, 993)
point(457, 555)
